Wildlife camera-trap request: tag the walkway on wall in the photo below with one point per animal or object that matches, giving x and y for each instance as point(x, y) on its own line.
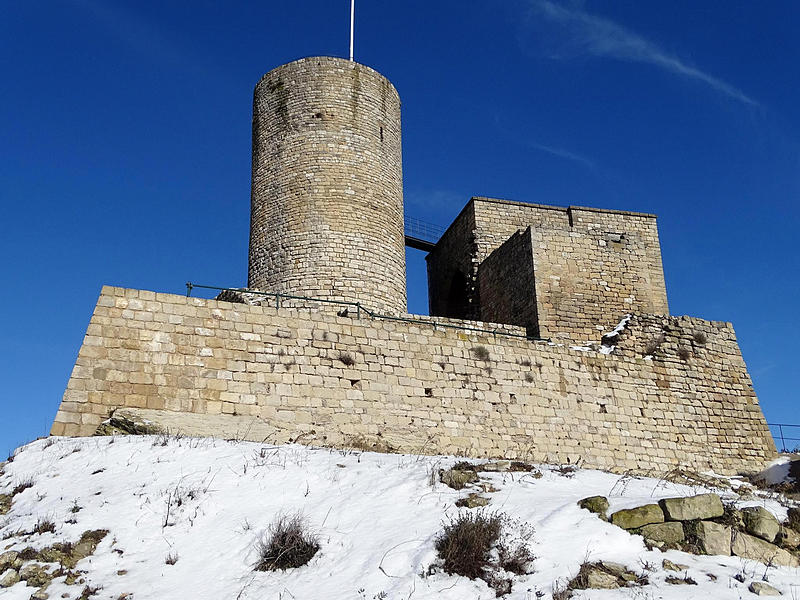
point(421, 235)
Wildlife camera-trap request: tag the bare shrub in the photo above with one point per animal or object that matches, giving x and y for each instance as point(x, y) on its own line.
point(287, 544)
point(23, 485)
point(44, 526)
point(171, 558)
point(700, 338)
point(346, 359)
point(481, 353)
point(684, 353)
point(654, 344)
point(466, 542)
point(487, 546)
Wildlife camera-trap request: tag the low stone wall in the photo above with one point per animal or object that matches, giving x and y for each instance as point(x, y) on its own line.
point(287, 374)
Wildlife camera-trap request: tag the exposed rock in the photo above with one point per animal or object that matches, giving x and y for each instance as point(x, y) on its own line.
point(704, 506)
point(709, 537)
point(601, 580)
point(35, 575)
point(123, 424)
point(5, 503)
point(788, 538)
point(748, 546)
point(618, 570)
point(472, 501)
point(7, 560)
point(680, 580)
point(759, 588)
point(497, 466)
point(456, 478)
point(39, 595)
point(634, 518)
point(758, 521)
point(596, 504)
point(794, 519)
point(9, 578)
point(668, 565)
point(663, 535)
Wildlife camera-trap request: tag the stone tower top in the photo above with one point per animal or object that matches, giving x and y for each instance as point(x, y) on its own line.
point(327, 194)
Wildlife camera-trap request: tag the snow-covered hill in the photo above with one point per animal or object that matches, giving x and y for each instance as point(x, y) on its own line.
point(204, 504)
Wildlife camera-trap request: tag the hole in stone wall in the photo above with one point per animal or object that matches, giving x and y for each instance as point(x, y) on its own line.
point(429, 392)
point(603, 408)
point(381, 133)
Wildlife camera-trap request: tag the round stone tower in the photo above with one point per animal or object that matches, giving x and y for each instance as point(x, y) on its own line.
point(327, 196)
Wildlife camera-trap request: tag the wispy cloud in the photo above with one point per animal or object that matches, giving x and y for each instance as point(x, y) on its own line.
point(565, 154)
point(585, 33)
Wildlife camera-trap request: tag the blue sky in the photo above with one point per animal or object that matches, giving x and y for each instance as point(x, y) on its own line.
point(125, 149)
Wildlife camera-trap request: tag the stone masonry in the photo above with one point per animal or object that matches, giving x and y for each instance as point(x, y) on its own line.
point(327, 193)
point(674, 391)
point(590, 266)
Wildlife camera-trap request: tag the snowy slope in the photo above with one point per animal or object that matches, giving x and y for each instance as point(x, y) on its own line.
point(208, 501)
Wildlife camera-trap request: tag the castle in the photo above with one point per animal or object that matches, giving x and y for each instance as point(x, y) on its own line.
point(549, 337)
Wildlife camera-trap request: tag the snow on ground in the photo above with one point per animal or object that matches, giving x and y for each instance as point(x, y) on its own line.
point(208, 502)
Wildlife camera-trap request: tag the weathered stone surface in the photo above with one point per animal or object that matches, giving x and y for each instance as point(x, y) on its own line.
point(703, 506)
point(759, 588)
point(35, 575)
point(9, 578)
point(40, 595)
point(596, 504)
point(456, 478)
point(663, 534)
point(472, 501)
point(710, 537)
point(748, 546)
point(599, 579)
point(668, 565)
point(121, 423)
point(758, 521)
point(298, 388)
point(496, 466)
point(793, 518)
point(317, 171)
point(633, 518)
point(788, 538)
point(5, 503)
point(7, 559)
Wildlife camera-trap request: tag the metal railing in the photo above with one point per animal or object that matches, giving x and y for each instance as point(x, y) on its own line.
point(780, 432)
point(360, 308)
point(421, 230)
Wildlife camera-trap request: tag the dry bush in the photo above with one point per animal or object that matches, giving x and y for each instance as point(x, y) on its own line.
point(700, 338)
point(44, 526)
point(684, 353)
point(171, 558)
point(346, 359)
point(287, 544)
point(481, 353)
point(478, 545)
point(23, 485)
point(654, 344)
point(466, 542)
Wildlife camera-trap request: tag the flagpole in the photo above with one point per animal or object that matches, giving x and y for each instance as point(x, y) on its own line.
point(352, 18)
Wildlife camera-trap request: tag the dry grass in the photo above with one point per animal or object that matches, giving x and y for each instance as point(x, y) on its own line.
point(466, 542)
point(288, 544)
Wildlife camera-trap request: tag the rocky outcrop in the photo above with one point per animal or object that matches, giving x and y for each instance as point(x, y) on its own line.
point(703, 506)
point(597, 505)
point(748, 546)
point(759, 588)
point(634, 518)
point(663, 535)
point(709, 537)
point(758, 521)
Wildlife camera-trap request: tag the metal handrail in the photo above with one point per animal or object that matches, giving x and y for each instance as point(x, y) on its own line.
point(360, 307)
point(783, 437)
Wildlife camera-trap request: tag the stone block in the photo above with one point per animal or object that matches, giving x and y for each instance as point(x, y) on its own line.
point(634, 518)
point(758, 521)
point(710, 537)
point(748, 546)
point(703, 506)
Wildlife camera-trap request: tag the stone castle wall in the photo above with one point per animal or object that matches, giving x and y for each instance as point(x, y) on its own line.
point(212, 368)
point(327, 195)
point(591, 266)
